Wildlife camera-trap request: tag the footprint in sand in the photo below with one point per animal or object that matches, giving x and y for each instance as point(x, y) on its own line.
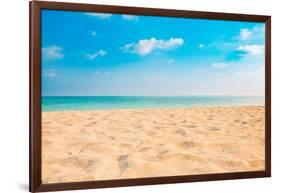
point(144, 149)
point(180, 132)
point(191, 126)
point(186, 144)
point(215, 129)
point(164, 152)
point(123, 162)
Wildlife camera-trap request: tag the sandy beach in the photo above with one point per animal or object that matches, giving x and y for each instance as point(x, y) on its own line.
point(136, 143)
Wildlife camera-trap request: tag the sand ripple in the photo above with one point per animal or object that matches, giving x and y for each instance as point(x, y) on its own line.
point(116, 144)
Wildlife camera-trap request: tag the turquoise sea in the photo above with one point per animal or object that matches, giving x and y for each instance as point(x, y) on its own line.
point(65, 103)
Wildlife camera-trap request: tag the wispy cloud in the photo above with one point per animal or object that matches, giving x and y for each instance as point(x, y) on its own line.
point(94, 55)
point(201, 46)
point(130, 17)
point(231, 47)
point(99, 15)
point(242, 51)
point(93, 33)
point(52, 52)
point(146, 46)
point(245, 34)
point(49, 73)
point(251, 49)
point(219, 65)
point(250, 33)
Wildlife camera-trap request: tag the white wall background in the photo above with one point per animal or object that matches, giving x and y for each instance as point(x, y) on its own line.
point(14, 95)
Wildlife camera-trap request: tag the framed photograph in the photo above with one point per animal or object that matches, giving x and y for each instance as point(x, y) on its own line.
point(123, 96)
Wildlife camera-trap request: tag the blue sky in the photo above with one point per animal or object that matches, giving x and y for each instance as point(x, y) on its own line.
point(92, 54)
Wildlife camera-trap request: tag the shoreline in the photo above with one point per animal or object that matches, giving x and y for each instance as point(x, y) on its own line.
point(164, 108)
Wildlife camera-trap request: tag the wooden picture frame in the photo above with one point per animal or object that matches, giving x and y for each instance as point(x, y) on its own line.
point(35, 95)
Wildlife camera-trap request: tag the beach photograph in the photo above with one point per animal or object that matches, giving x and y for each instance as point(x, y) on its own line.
point(131, 96)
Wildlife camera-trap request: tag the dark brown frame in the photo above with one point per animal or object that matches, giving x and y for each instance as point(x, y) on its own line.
point(35, 184)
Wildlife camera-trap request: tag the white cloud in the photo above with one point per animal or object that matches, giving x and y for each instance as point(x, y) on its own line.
point(94, 55)
point(93, 33)
point(253, 33)
point(49, 73)
point(146, 46)
point(245, 34)
point(251, 49)
point(99, 15)
point(52, 52)
point(201, 46)
point(130, 17)
point(259, 29)
point(219, 65)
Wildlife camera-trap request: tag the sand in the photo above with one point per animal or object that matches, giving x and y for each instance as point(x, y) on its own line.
point(136, 143)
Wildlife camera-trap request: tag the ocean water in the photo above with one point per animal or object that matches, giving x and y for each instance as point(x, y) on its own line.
point(65, 103)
